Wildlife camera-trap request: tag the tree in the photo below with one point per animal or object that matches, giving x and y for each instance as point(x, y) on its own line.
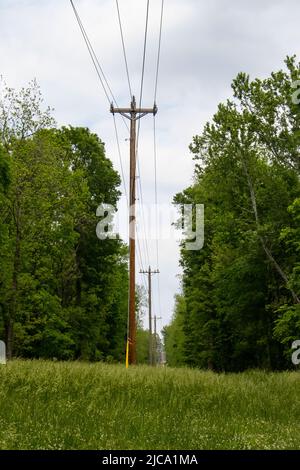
point(20, 118)
point(287, 326)
point(4, 170)
point(175, 339)
point(142, 335)
point(21, 113)
point(63, 291)
point(4, 184)
point(247, 175)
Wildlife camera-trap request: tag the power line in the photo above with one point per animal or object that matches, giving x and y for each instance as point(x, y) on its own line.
point(92, 53)
point(140, 260)
point(155, 169)
point(155, 152)
point(155, 190)
point(143, 70)
point(95, 60)
point(154, 136)
point(138, 131)
point(144, 52)
point(103, 80)
point(140, 194)
point(139, 253)
point(120, 159)
point(145, 243)
point(156, 210)
point(159, 49)
point(124, 50)
point(109, 94)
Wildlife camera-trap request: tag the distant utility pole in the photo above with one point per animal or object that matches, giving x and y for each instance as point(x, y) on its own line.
point(150, 273)
point(133, 114)
point(155, 340)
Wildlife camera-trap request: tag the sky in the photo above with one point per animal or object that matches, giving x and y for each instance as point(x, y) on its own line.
point(204, 46)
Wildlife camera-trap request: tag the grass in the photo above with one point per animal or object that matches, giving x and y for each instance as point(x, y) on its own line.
point(51, 405)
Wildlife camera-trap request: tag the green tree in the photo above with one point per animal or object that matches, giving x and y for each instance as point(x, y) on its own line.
point(174, 335)
point(63, 291)
point(21, 117)
point(247, 175)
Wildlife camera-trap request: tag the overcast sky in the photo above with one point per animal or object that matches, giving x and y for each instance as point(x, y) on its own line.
point(204, 45)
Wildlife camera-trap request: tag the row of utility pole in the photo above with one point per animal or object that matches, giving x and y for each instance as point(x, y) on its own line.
point(133, 113)
point(151, 348)
point(152, 339)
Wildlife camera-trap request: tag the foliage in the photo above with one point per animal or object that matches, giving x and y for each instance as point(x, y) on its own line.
point(142, 346)
point(63, 292)
point(174, 334)
point(247, 175)
point(21, 114)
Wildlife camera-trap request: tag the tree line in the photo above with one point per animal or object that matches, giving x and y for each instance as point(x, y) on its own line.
point(239, 305)
point(63, 292)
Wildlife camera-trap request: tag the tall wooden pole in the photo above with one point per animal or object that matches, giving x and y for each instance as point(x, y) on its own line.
point(150, 273)
point(133, 114)
point(132, 228)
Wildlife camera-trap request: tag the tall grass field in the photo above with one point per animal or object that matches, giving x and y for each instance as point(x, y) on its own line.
point(51, 405)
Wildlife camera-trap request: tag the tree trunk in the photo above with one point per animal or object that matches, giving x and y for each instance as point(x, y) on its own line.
point(262, 241)
point(15, 286)
point(9, 338)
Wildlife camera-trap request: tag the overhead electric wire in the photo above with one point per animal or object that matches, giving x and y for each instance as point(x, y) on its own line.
point(138, 131)
point(120, 159)
point(155, 154)
point(110, 97)
point(144, 52)
point(103, 80)
point(155, 188)
point(154, 134)
point(156, 210)
point(143, 71)
point(131, 94)
point(95, 60)
point(145, 242)
point(146, 250)
point(159, 49)
point(139, 252)
point(124, 50)
point(92, 53)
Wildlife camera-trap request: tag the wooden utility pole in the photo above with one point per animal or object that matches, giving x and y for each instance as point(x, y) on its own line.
point(155, 341)
point(133, 114)
point(150, 273)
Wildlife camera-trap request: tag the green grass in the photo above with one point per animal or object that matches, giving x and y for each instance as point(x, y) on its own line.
point(51, 405)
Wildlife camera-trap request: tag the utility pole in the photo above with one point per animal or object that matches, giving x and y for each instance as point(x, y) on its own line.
point(133, 114)
point(150, 273)
point(155, 341)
